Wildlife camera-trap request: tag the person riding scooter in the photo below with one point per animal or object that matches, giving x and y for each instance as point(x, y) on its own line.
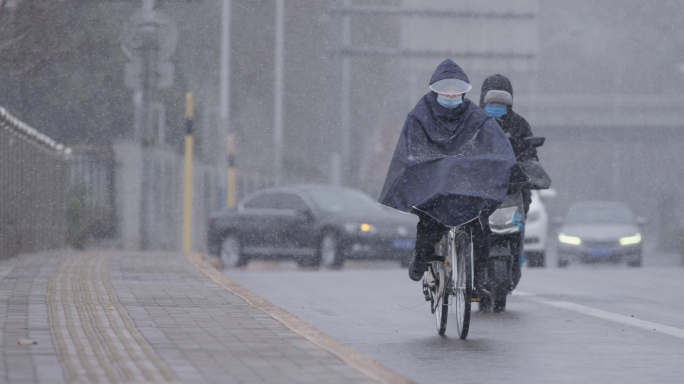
point(496, 98)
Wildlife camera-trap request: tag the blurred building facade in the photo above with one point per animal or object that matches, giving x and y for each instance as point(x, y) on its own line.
point(602, 81)
point(605, 96)
point(389, 50)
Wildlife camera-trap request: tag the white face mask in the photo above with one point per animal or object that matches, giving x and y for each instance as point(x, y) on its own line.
point(449, 102)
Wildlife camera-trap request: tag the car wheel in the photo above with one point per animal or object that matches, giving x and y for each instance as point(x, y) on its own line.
point(535, 259)
point(562, 263)
point(309, 260)
point(329, 251)
point(231, 252)
point(636, 263)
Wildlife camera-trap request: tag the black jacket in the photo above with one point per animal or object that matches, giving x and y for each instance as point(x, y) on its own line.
point(453, 164)
point(518, 129)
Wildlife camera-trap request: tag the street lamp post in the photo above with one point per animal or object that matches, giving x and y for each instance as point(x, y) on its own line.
point(224, 105)
point(336, 160)
point(278, 99)
point(149, 39)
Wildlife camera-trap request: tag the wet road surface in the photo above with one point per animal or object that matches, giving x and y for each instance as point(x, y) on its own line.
point(586, 323)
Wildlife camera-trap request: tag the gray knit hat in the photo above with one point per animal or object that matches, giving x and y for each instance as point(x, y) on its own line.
point(498, 97)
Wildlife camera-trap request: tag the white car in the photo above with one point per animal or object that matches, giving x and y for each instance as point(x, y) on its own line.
point(536, 228)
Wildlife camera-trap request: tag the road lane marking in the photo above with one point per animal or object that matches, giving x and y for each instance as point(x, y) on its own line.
point(647, 325)
point(522, 293)
point(95, 340)
point(348, 355)
point(610, 316)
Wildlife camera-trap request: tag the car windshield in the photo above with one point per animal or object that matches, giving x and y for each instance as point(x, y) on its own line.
point(599, 215)
point(342, 200)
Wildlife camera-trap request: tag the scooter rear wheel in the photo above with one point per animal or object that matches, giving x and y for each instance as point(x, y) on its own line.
point(500, 287)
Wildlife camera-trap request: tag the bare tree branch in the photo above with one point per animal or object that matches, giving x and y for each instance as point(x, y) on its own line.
point(9, 43)
point(2, 6)
point(31, 25)
point(33, 64)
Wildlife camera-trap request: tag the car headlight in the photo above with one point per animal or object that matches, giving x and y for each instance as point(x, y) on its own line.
point(358, 228)
point(572, 240)
point(629, 240)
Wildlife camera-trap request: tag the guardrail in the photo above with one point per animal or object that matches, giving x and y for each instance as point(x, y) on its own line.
point(34, 182)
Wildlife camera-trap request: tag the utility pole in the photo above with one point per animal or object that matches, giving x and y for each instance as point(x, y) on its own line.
point(278, 97)
point(230, 197)
point(187, 208)
point(337, 135)
point(224, 101)
point(148, 63)
point(149, 39)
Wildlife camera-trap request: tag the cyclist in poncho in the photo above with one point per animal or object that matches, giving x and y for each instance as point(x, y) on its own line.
point(452, 167)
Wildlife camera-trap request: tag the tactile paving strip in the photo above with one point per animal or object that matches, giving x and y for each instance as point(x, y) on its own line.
point(93, 335)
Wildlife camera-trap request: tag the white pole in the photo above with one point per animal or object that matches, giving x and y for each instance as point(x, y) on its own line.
point(224, 96)
point(345, 175)
point(225, 63)
point(148, 5)
point(278, 109)
point(337, 96)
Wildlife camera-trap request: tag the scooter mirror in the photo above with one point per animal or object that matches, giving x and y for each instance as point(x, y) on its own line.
point(548, 193)
point(557, 221)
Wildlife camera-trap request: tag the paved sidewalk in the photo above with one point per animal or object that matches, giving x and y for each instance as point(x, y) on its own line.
point(152, 317)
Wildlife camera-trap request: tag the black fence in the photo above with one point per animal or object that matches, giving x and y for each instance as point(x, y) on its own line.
point(34, 183)
point(92, 214)
point(129, 196)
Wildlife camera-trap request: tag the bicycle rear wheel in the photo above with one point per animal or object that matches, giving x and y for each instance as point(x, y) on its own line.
point(462, 255)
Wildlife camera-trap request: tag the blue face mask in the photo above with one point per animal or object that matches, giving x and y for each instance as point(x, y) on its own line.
point(495, 110)
point(449, 102)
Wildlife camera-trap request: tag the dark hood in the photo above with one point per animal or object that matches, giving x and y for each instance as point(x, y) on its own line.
point(448, 70)
point(495, 82)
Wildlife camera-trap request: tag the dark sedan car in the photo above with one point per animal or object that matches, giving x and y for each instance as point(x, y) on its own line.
point(312, 224)
point(600, 231)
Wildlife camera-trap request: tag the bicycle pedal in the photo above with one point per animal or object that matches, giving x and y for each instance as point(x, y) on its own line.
point(427, 293)
point(436, 258)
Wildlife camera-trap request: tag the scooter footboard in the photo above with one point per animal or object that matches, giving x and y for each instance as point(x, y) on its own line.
point(499, 252)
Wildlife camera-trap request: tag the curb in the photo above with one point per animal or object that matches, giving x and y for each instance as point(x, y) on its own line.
point(353, 358)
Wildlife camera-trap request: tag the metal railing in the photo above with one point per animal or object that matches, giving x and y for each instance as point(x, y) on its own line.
point(34, 180)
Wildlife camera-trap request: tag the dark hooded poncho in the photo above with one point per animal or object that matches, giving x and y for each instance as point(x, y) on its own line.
point(453, 164)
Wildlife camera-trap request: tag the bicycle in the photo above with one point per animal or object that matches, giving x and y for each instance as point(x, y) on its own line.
point(442, 289)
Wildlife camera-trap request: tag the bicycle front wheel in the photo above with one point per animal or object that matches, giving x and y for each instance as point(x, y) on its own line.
point(462, 268)
point(441, 297)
